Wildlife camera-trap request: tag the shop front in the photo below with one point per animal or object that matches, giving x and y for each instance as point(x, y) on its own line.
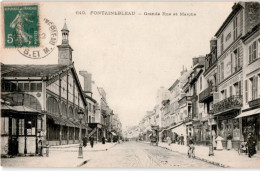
point(21, 130)
point(251, 124)
point(228, 127)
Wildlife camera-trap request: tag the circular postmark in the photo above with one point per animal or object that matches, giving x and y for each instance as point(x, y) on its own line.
point(48, 37)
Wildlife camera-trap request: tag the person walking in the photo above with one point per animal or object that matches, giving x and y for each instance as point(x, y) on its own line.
point(229, 142)
point(182, 139)
point(251, 142)
point(85, 140)
point(103, 140)
point(91, 139)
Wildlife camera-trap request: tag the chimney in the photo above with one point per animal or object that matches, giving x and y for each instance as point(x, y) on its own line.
point(213, 43)
point(87, 80)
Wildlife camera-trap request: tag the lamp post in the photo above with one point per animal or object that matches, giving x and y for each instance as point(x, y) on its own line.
point(211, 152)
point(81, 113)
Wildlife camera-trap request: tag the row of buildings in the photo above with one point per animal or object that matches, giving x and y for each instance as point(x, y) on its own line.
point(47, 102)
point(220, 94)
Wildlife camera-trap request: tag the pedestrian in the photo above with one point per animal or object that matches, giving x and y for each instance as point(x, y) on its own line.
point(103, 140)
point(251, 143)
point(169, 141)
point(219, 143)
point(91, 139)
point(182, 139)
point(229, 142)
point(85, 140)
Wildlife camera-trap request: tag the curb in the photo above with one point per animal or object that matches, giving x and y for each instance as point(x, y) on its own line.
point(201, 159)
point(86, 161)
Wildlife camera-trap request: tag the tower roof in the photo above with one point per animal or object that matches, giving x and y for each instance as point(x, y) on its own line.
point(65, 28)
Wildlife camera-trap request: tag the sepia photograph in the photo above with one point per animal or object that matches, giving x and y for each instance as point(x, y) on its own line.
point(169, 85)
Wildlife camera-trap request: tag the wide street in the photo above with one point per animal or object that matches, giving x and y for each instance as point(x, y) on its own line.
point(139, 155)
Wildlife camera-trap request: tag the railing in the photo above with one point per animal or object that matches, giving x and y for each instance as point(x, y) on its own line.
point(254, 103)
point(204, 95)
point(231, 103)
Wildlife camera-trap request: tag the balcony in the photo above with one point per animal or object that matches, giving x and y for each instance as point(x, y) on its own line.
point(254, 103)
point(229, 104)
point(207, 94)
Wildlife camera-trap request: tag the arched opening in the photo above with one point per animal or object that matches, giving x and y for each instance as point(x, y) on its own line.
point(64, 109)
point(53, 106)
point(71, 115)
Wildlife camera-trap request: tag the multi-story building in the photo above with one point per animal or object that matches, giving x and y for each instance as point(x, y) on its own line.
point(194, 88)
point(231, 56)
point(42, 102)
point(208, 89)
point(251, 84)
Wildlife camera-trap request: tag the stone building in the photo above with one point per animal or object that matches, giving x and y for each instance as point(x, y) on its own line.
point(231, 57)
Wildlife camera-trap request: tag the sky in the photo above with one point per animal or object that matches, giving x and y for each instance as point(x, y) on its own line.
point(131, 57)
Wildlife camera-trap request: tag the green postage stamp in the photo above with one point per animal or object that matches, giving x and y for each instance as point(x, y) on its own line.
point(21, 26)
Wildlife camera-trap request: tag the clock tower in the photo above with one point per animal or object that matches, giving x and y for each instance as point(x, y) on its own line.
point(65, 50)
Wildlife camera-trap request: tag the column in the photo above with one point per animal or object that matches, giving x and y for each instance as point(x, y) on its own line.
point(68, 134)
point(73, 135)
point(60, 138)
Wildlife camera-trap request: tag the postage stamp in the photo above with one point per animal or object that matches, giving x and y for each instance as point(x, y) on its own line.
point(21, 27)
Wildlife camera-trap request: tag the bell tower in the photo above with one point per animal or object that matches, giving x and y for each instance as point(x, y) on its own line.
point(65, 50)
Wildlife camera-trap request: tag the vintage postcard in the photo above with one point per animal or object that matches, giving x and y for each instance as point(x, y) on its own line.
point(130, 84)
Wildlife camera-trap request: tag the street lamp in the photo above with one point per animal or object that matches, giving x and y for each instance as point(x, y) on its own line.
point(81, 114)
point(211, 150)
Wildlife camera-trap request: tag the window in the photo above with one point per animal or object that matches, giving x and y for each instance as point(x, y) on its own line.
point(20, 86)
point(246, 91)
point(21, 126)
point(4, 125)
point(237, 59)
point(39, 87)
point(13, 126)
point(222, 71)
point(238, 88)
point(33, 87)
point(230, 91)
point(26, 86)
point(235, 29)
point(222, 43)
point(254, 82)
point(252, 52)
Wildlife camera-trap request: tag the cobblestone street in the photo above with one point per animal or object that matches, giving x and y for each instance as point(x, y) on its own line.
point(135, 154)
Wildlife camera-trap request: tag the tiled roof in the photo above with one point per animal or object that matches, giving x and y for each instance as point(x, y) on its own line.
point(30, 70)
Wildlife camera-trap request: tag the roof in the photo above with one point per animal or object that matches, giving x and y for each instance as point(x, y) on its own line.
point(174, 84)
point(65, 27)
point(30, 70)
point(235, 9)
point(48, 71)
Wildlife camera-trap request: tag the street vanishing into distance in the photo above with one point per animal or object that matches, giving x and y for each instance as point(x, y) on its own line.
point(142, 155)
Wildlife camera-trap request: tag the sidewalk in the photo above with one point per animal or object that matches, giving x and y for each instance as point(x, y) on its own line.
point(75, 147)
point(222, 158)
point(59, 156)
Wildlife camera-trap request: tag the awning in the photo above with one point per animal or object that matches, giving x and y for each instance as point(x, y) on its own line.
point(19, 109)
point(248, 113)
point(172, 127)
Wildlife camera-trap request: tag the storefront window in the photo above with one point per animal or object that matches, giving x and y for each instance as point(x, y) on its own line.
point(21, 126)
point(249, 125)
point(4, 125)
point(13, 126)
point(30, 127)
